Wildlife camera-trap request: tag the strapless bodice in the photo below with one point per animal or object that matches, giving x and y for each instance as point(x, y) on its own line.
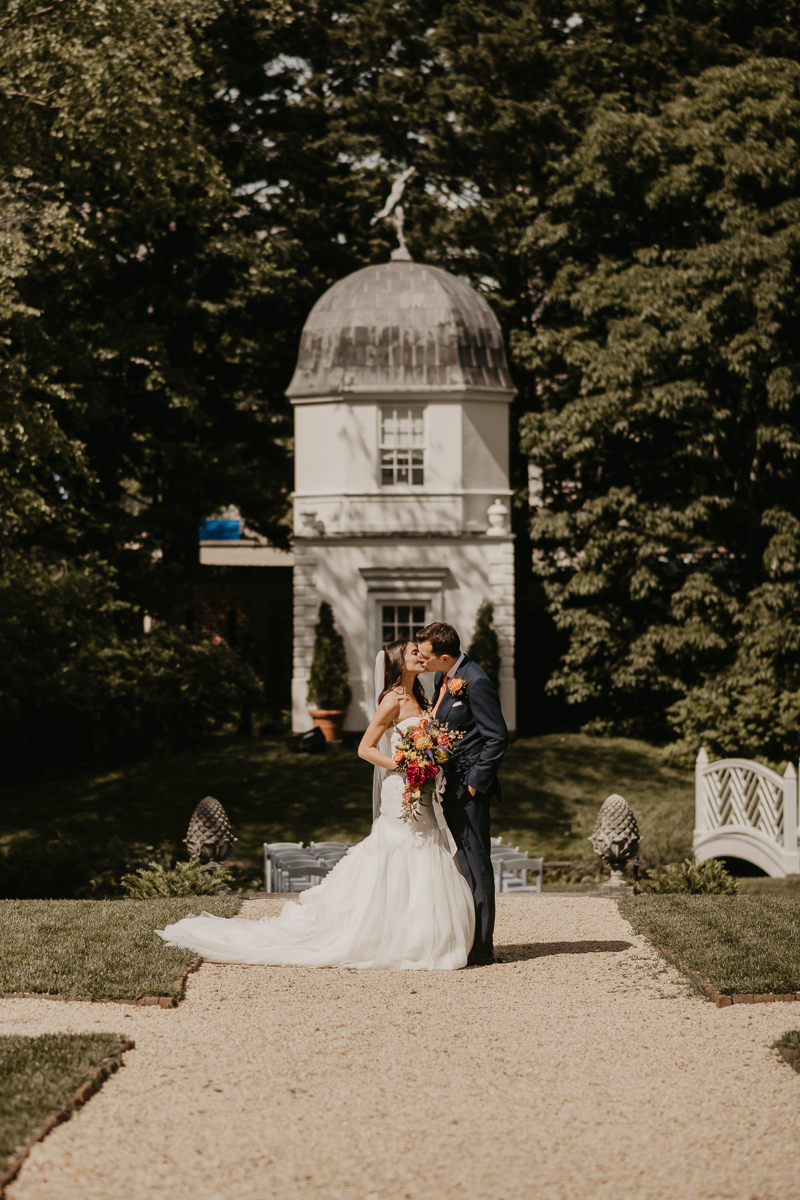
point(395, 738)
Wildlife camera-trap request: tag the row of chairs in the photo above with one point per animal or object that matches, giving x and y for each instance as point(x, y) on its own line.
point(293, 867)
point(511, 867)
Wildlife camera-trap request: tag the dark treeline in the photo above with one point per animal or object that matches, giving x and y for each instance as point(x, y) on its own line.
point(181, 180)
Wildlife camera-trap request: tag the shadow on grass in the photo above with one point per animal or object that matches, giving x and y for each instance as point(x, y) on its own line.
point(522, 953)
point(552, 786)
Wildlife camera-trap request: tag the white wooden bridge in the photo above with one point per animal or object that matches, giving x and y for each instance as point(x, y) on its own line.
point(745, 810)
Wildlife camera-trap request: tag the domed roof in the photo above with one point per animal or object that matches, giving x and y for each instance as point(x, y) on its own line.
point(401, 327)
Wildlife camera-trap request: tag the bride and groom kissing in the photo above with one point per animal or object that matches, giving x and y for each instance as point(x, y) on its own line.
point(415, 894)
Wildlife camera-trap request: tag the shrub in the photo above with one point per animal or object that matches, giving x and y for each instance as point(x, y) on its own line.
point(75, 689)
point(328, 680)
point(485, 647)
point(186, 879)
point(707, 878)
point(34, 868)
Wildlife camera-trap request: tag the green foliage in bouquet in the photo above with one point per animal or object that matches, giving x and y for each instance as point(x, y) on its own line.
point(485, 647)
point(328, 680)
point(186, 879)
point(707, 878)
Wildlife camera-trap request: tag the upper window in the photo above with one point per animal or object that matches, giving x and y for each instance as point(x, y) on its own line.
point(402, 447)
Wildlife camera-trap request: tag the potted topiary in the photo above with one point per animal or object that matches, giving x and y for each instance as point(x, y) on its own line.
point(485, 648)
point(328, 682)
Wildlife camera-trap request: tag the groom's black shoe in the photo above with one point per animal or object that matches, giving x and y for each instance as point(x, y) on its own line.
point(481, 960)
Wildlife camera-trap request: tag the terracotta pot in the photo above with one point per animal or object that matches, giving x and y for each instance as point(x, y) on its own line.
point(330, 721)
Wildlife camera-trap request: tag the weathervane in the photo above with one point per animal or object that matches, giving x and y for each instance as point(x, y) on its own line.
point(393, 209)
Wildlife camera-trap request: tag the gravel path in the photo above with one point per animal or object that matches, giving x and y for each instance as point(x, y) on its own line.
point(581, 1067)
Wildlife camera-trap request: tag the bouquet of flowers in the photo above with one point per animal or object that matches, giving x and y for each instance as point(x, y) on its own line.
point(423, 749)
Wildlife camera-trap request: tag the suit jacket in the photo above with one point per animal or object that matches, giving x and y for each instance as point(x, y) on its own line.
point(476, 712)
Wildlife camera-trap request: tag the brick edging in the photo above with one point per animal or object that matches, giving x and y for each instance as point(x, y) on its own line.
point(719, 998)
point(96, 1077)
point(143, 1001)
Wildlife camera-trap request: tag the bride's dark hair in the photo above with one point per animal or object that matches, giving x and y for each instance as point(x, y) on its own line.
point(394, 669)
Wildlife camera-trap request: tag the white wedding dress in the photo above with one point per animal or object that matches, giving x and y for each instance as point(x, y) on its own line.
point(396, 901)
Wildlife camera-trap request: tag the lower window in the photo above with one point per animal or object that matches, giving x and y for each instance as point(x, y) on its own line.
point(400, 622)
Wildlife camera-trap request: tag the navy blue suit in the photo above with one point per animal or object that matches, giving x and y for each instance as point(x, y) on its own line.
point(476, 759)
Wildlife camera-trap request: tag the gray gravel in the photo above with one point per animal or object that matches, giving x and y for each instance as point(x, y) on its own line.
point(582, 1067)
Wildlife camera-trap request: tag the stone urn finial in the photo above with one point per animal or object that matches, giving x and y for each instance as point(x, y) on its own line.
point(210, 837)
point(497, 514)
point(615, 837)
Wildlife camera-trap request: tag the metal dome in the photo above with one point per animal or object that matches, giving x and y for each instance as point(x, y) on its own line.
point(400, 328)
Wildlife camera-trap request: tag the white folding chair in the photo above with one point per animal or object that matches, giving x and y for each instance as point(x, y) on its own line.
point(283, 862)
point(302, 876)
point(509, 882)
point(272, 850)
point(507, 867)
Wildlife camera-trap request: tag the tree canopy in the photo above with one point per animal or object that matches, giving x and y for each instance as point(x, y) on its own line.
point(181, 181)
point(666, 357)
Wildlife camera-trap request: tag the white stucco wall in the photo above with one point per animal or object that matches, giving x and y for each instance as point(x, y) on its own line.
point(337, 473)
point(453, 576)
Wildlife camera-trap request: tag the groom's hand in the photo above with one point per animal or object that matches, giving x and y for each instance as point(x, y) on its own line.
point(470, 789)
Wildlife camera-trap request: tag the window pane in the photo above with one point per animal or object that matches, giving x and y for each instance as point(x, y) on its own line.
point(418, 614)
point(388, 614)
point(388, 634)
point(402, 612)
point(402, 436)
point(403, 631)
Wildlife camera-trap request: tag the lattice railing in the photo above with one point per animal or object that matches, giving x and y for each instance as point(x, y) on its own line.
point(737, 793)
point(744, 796)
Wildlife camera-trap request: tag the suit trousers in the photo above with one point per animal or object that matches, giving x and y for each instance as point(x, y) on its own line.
point(468, 818)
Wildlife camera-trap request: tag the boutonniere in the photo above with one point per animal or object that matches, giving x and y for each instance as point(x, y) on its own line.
point(456, 686)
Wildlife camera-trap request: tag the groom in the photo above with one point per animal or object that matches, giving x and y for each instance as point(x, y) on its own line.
point(465, 698)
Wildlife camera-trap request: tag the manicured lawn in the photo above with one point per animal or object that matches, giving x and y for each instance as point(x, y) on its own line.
point(762, 885)
point(38, 1075)
point(103, 949)
point(743, 944)
point(552, 789)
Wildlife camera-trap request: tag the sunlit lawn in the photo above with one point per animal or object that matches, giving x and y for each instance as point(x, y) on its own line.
point(552, 789)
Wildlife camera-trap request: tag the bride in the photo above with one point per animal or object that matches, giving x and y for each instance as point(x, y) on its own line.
point(397, 900)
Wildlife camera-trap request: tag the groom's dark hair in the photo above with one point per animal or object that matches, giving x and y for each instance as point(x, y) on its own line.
point(443, 638)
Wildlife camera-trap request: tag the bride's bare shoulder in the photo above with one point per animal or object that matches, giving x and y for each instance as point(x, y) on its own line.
point(389, 706)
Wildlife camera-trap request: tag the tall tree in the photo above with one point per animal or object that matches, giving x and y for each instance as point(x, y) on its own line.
point(485, 100)
point(670, 387)
point(138, 328)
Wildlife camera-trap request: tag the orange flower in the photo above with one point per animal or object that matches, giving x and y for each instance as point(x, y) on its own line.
point(422, 743)
point(399, 755)
point(455, 685)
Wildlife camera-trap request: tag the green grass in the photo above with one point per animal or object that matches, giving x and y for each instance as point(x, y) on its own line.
point(38, 1075)
point(103, 949)
point(791, 1040)
point(552, 789)
point(743, 944)
point(762, 885)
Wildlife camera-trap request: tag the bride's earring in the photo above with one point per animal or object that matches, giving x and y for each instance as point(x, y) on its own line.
point(404, 674)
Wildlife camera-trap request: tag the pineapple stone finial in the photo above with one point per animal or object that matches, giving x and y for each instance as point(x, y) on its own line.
point(615, 836)
point(209, 837)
